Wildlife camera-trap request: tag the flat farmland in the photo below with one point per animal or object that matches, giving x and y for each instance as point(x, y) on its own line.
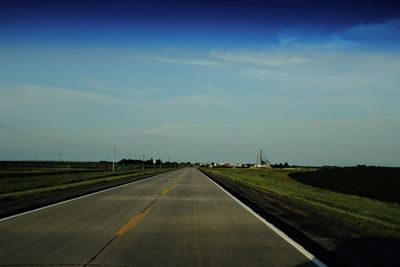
point(380, 216)
point(372, 182)
point(24, 179)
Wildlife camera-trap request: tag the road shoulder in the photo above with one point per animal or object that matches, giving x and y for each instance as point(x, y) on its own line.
point(334, 241)
point(10, 207)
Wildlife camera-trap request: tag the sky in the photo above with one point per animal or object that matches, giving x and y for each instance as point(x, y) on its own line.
point(309, 82)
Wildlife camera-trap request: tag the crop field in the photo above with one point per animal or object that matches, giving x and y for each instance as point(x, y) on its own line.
point(22, 179)
point(372, 182)
point(379, 216)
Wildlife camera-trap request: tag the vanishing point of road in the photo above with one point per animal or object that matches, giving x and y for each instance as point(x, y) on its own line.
point(180, 218)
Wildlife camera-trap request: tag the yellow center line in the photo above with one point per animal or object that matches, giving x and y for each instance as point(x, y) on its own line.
point(135, 220)
point(166, 190)
point(138, 217)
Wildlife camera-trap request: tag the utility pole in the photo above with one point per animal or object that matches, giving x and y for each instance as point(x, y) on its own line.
point(114, 158)
point(142, 162)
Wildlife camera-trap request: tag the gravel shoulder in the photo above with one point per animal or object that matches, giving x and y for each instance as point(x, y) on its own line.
point(336, 242)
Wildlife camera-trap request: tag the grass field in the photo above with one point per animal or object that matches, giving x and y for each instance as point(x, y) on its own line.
point(379, 216)
point(19, 180)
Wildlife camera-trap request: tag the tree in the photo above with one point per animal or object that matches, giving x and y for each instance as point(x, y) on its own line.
point(286, 165)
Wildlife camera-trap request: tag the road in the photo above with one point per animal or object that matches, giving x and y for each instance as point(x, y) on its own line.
point(180, 218)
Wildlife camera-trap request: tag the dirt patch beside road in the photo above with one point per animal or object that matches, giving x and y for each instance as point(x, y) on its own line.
point(335, 242)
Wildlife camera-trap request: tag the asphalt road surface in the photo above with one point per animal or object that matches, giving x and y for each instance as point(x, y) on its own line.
point(179, 218)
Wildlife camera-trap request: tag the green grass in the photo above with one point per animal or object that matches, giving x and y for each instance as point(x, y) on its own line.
point(379, 216)
point(18, 182)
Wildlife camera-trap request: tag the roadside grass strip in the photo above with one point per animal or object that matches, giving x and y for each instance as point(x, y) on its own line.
point(379, 216)
point(35, 189)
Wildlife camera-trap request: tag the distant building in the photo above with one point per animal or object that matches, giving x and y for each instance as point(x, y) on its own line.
point(228, 165)
point(261, 161)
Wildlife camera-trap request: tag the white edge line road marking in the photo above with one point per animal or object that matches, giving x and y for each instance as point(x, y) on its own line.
point(273, 228)
point(80, 197)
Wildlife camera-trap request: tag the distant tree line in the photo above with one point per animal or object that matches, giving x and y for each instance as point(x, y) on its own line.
point(138, 163)
point(281, 166)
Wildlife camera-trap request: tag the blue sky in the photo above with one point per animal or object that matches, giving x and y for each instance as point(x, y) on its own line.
point(311, 83)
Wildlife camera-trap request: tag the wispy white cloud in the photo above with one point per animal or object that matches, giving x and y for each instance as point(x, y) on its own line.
point(197, 107)
point(40, 94)
point(198, 100)
point(293, 91)
point(190, 61)
point(375, 32)
point(168, 129)
point(99, 87)
point(263, 57)
point(365, 123)
point(58, 112)
point(310, 66)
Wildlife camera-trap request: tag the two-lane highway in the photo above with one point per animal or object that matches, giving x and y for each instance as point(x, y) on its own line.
point(179, 218)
